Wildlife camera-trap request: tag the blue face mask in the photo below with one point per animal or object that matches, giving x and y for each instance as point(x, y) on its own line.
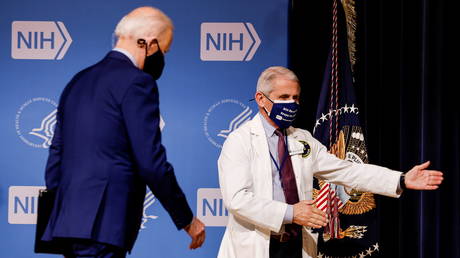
point(283, 112)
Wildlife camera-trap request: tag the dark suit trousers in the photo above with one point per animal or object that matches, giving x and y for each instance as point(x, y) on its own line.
point(77, 248)
point(289, 249)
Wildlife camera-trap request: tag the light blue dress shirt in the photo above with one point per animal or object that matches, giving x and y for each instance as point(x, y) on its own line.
point(127, 54)
point(278, 193)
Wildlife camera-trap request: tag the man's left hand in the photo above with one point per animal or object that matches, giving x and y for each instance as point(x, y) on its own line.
point(196, 230)
point(420, 178)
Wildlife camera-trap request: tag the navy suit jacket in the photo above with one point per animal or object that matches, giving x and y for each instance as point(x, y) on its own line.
point(106, 149)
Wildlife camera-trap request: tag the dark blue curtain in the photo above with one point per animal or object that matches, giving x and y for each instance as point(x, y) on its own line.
point(406, 80)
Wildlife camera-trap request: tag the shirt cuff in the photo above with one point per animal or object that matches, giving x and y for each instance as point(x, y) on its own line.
point(399, 189)
point(289, 215)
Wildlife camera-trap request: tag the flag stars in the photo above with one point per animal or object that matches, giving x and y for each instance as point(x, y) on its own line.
point(353, 109)
point(336, 112)
point(317, 123)
point(369, 251)
point(363, 254)
point(323, 117)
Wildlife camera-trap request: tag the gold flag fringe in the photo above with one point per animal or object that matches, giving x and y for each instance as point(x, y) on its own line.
point(350, 15)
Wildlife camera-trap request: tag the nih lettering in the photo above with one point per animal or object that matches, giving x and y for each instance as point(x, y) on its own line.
point(233, 41)
point(214, 207)
point(22, 204)
point(45, 40)
point(210, 207)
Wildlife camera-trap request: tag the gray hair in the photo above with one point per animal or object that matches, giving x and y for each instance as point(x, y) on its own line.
point(142, 26)
point(269, 75)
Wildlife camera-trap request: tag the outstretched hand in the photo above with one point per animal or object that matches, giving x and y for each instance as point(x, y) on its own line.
point(420, 178)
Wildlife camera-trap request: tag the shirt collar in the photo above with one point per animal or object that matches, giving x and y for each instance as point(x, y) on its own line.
point(127, 54)
point(269, 129)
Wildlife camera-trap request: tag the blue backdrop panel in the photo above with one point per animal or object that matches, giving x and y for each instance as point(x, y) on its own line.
point(219, 50)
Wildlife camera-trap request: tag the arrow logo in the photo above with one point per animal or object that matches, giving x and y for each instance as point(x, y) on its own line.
point(46, 40)
point(231, 41)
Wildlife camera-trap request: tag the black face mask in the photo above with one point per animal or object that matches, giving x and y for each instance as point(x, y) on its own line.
point(155, 63)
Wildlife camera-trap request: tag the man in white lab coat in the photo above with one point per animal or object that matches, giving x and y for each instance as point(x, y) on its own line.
point(266, 171)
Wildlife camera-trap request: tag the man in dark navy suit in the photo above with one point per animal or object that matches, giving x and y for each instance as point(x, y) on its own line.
point(107, 147)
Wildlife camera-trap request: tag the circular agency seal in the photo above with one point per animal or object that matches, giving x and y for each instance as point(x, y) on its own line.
point(35, 122)
point(224, 117)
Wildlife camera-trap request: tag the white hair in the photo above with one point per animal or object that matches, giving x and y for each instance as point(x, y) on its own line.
point(143, 26)
point(269, 75)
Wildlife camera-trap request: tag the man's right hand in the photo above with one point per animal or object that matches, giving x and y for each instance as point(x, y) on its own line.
point(306, 214)
point(196, 231)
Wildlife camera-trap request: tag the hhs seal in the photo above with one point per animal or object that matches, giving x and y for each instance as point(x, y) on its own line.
point(223, 118)
point(35, 122)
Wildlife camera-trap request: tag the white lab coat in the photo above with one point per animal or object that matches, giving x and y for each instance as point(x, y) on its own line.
point(245, 177)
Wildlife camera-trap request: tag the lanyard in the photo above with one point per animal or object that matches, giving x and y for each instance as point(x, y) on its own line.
point(286, 154)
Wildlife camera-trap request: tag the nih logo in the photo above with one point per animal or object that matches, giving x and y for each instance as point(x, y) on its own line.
point(47, 40)
point(210, 207)
point(23, 204)
point(233, 41)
